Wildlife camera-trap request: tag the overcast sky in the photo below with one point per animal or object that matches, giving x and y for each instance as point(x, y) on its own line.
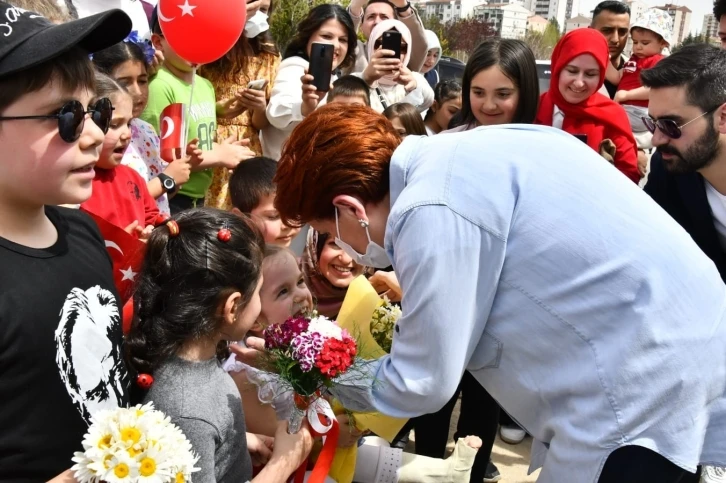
point(699, 8)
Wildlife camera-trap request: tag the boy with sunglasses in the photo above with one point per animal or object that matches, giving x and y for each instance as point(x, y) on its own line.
point(60, 343)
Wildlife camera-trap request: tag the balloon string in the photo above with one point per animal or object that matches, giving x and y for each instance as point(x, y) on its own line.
point(189, 108)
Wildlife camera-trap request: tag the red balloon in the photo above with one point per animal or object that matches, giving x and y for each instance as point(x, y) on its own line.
point(201, 31)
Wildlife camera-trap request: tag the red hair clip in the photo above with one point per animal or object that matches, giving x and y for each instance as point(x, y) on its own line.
point(173, 228)
point(161, 218)
point(224, 234)
point(144, 381)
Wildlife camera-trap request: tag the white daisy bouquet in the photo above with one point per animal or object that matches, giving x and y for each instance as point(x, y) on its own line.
point(383, 322)
point(134, 445)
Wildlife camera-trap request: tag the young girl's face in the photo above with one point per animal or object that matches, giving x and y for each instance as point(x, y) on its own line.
point(493, 97)
point(119, 134)
point(646, 43)
point(332, 32)
point(432, 57)
point(132, 75)
point(336, 266)
point(283, 292)
point(579, 79)
point(446, 111)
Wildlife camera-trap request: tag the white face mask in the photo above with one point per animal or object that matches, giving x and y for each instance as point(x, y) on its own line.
point(256, 25)
point(375, 255)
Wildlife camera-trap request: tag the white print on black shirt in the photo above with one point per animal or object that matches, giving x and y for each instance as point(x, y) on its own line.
point(88, 352)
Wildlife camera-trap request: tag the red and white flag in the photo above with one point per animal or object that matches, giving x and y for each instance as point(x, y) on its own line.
point(172, 124)
point(127, 254)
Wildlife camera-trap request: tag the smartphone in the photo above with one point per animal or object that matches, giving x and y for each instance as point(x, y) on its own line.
point(321, 65)
point(392, 41)
point(582, 137)
point(257, 85)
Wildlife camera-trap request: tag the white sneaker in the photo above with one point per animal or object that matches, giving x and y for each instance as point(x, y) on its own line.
point(512, 434)
point(713, 474)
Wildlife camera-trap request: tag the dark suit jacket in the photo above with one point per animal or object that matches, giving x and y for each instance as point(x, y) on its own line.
point(683, 196)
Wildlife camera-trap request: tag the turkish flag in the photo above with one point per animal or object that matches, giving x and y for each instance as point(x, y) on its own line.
point(172, 124)
point(126, 252)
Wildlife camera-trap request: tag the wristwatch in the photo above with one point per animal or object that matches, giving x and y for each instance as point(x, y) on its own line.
point(167, 182)
point(404, 8)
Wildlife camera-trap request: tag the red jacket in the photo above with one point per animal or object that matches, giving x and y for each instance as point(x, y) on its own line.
point(120, 197)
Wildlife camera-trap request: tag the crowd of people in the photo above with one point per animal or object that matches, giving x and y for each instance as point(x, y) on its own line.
point(574, 240)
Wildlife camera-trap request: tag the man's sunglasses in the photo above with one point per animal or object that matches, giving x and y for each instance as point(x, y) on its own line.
point(669, 127)
point(72, 116)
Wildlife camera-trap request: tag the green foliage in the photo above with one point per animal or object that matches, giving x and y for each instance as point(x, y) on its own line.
point(552, 32)
point(692, 39)
point(434, 24)
point(553, 23)
point(543, 43)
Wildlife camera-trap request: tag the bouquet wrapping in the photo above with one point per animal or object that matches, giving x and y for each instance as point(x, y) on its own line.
point(371, 319)
point(130, 445)
point(308, 353)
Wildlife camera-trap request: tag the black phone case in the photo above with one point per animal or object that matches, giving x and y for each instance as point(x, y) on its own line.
point(392, 41)
point(582, 137)
point(321, 65)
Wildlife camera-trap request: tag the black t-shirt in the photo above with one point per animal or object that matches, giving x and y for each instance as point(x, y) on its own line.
point(60, 347)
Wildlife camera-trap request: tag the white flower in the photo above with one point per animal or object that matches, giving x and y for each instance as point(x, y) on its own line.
point(325, 327)
point(138, 444)
point(122, 468)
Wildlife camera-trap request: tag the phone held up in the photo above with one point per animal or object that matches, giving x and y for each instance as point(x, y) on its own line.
point(392, 41)
point(321, 65)
point(257, 85)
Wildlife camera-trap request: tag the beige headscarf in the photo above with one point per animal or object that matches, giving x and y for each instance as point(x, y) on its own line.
point(378, 30)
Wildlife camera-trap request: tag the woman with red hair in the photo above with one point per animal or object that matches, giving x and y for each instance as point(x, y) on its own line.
point(573, 103)
point(536, 274)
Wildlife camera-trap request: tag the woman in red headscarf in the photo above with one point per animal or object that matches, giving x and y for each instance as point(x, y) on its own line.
point(574, 105)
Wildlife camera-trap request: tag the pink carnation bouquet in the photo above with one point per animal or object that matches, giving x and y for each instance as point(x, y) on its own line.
point(308, 353)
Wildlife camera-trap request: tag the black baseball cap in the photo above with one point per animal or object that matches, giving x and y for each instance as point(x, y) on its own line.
point(28, 39)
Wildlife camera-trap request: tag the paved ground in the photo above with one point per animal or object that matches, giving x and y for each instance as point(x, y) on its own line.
point(512, 460)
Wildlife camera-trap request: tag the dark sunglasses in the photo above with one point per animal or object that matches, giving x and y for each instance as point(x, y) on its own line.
point(669, 127)
point(72, 116)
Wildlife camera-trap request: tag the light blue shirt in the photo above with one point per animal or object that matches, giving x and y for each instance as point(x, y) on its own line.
point(576, 301)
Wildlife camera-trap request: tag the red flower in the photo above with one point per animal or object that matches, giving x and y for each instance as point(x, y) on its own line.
point(336, 357)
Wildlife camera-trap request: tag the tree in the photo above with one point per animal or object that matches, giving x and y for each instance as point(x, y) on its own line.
point(552, 32)
point(692, 39)
point(541, 48)
point(543, 43)
point(464, 35)
point(433, 23)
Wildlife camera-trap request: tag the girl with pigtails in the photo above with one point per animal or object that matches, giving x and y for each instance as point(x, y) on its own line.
point(200, 285)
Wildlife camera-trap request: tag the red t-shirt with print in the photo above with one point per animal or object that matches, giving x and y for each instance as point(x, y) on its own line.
point(120, 197)
point(631, 75)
